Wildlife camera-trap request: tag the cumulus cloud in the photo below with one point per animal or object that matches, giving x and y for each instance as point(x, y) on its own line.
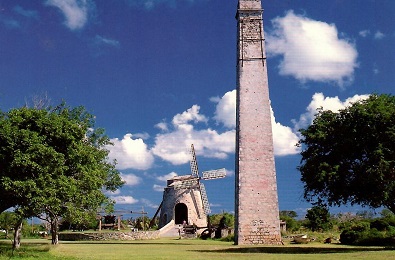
point(124, 199)
point(327, 103)
point(311, 50)
point(225, 111)
point(162, 126)
point(75, 11)
point(284, 139)
point(130, 179)
point(191, 115)
point(173, 145)
point(130, 153)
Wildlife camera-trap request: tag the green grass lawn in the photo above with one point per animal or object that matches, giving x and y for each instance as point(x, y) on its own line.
point(186, 249)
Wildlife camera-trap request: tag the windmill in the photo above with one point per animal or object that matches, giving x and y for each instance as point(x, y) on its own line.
point(195, 180)
point(185, 196)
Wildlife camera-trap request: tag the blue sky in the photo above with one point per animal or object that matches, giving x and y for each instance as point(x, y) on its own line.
point(160, 75)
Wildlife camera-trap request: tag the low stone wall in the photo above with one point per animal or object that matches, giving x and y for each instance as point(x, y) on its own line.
point(101, 236)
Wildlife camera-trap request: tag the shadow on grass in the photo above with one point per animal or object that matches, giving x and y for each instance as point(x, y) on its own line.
point(297, 250)
point(32, 250)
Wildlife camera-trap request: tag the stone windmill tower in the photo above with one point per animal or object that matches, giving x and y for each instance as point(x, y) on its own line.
point(185, 198)
point(256, 202)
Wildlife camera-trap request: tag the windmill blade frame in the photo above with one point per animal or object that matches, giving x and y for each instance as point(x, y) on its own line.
point(203, 194)
point(193, 162)
point(214, 174)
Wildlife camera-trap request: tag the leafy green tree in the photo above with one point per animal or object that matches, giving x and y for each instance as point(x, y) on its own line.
point(289, 217)
point(319, 218)
point(8, 220)
point(53, 164)
point(349, 156)
point(226, 218)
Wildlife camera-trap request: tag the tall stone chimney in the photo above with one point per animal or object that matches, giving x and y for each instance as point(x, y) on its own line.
point(257, 213)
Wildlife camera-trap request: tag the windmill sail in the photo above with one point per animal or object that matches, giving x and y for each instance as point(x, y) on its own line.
point(214, 174)
point(193, 162)
point(206, 205)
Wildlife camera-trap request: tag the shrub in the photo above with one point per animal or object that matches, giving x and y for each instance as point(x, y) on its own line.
point(229, 238)
point(380, 224)
point(349, 237)
point(372, 237)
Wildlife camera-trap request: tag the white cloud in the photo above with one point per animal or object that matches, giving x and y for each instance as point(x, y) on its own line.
point(327, 103)
point(162, 126)
point(130, 179)
point(149, 204)
point(284, 139)
point(229, 173)
point(191, 115)
point(167, 176)
point(157, 187)
point(112, 193)
point(75, 11)
point(311, 50)
point(143, 136)
point(130, 153)
point(379, 35)
point(124, 199)
point(364, 33)
point(100, 40)
point(173, 146)
point(225, 111)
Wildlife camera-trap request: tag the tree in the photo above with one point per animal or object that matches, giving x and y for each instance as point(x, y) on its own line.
point(289, 217)
point(54, 163)
point(349, 156)
point(319, 218)
point(7, 221)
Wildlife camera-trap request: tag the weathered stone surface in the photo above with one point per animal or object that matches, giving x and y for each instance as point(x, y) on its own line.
point(257, 216)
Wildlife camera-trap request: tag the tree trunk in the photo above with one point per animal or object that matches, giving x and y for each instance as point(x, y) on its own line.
point(17, 235)
point(54, 231)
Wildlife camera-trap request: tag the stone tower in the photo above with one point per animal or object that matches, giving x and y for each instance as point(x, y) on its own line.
point(256, 202)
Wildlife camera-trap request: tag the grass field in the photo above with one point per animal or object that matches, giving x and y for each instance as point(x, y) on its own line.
point(186, 249)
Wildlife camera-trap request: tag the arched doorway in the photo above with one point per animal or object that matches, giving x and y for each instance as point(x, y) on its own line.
point(181, 213)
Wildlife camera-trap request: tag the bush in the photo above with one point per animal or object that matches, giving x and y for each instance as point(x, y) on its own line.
point(360, 226)
point(349, 237)
point(229, 238)
point(380, 224)
point(372, 237)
